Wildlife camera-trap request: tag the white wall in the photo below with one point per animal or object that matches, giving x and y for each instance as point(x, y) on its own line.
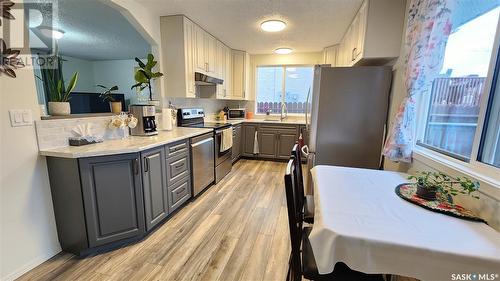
point(28, 234)
point(27, 227)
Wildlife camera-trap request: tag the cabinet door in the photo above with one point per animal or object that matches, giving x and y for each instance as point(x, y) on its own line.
point(362, 16)
point(236, 150)
point(228, 72)
point(155, 186)
point(211, 53)
point(200, 62)
point(267, 144)
point(286, 141)
point(238, 74)
point(190, 51)
point(248, 139)
point(112, 195)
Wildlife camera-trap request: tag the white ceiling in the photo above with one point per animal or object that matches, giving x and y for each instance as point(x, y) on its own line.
point(312, 24)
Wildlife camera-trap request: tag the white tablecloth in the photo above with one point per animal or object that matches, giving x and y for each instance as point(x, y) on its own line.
point(360, 221)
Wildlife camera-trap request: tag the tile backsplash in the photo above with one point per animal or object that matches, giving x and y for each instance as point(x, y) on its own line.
point(55, 133)
point(211, 106)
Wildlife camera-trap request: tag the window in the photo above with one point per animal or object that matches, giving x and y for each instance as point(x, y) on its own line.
point(272, 81)
point(490, 145)
point(452, 105)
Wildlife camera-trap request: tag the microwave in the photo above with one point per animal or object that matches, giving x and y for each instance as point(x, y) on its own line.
point(236, 113)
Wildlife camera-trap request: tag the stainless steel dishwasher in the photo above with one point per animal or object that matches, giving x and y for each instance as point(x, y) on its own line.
point(202, 149)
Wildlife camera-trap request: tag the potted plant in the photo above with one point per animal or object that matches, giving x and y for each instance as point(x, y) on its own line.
point(429, 184)
point(144, 75)
point(107, 95)
point(59, 96)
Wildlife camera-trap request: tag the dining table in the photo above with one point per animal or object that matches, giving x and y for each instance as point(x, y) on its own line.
point(361, 221)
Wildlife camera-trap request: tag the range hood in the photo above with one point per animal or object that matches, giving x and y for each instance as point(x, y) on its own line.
point(202, 79)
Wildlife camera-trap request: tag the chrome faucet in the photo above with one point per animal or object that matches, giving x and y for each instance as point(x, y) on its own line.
point(284, 110)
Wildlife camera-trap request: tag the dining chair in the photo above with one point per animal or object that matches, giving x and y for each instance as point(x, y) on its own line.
point(305, 203)
point(302, 262)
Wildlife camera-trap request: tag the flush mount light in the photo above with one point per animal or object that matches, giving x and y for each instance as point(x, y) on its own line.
point(283, 51)
point(273, 25)
point(52, 32)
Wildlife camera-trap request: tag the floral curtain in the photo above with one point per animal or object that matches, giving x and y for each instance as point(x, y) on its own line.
point(428, 28)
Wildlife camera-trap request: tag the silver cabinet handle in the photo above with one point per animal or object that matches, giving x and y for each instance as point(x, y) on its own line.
point(136, 166)
point(146, 165)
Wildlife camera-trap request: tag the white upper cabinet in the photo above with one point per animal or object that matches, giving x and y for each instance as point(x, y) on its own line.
point(241, 70)
point(330, 55)
point(187, 48)
point(374, 36)
point(178, 53)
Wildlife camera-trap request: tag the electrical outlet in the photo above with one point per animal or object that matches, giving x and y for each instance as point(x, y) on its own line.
point(20, 117)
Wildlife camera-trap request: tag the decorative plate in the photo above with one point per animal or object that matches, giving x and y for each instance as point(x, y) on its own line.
point(408, 192)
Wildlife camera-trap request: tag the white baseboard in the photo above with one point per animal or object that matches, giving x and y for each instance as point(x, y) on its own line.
point(30, 265)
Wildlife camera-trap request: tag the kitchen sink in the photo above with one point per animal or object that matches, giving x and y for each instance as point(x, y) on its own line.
point(272, 120)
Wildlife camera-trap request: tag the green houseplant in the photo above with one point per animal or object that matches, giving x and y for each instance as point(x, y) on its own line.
point(144, 75)
point(107, 95)
point(59, 95)
point(429, 184)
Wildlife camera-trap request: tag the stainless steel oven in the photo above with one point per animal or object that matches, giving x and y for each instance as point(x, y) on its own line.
point(223, 161)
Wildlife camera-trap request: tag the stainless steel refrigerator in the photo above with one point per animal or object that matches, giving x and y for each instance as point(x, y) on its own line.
point(348, 116)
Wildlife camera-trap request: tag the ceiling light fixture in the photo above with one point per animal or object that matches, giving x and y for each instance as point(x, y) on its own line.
point(52, 32)
point(273, 25)
point(283, 51)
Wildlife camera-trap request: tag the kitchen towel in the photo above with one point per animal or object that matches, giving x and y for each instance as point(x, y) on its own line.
point(256, 144)
point(226, 139)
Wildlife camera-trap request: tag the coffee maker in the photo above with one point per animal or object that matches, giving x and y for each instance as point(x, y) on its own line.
point(146, 123)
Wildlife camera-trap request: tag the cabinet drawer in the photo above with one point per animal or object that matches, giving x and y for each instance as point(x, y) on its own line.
point(177, 167)
point(177, 148)
point(180, 193)
point(278, 127)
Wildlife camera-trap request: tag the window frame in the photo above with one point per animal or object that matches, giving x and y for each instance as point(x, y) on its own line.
point(283, 86)
point(473, 167)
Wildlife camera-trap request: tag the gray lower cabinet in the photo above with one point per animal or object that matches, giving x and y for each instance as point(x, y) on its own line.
point(154, 182)
point(112, 198)
point(267, 143)
point(236, 149)
point(286, 141)
point(275, 140)
point(248, 139)
point(178, 174)
point(106, 201)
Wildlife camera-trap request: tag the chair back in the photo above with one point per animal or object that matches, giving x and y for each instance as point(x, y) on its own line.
point(299, 178)
point(294, 217)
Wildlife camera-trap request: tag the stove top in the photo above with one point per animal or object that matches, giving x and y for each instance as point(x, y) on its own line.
point(214, 125)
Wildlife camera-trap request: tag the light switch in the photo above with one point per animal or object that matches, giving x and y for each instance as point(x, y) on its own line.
point(20, 117)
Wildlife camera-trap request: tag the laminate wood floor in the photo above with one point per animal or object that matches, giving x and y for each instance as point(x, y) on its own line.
point(236, 230)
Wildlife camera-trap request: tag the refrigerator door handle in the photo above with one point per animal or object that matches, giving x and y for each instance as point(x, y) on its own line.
point(305, 150)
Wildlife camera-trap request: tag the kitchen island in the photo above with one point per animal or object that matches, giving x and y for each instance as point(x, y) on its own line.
point(113, 193)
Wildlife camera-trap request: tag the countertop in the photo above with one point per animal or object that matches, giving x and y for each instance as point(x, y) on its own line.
point(128, 145)
point(256, 120)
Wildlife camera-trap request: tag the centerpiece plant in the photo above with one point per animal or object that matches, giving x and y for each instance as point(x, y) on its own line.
point(145, 75)
point(107, 95)
point(59, 95)
point(430, 184)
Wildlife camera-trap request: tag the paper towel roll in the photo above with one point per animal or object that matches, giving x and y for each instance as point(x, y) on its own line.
point(166, 119)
